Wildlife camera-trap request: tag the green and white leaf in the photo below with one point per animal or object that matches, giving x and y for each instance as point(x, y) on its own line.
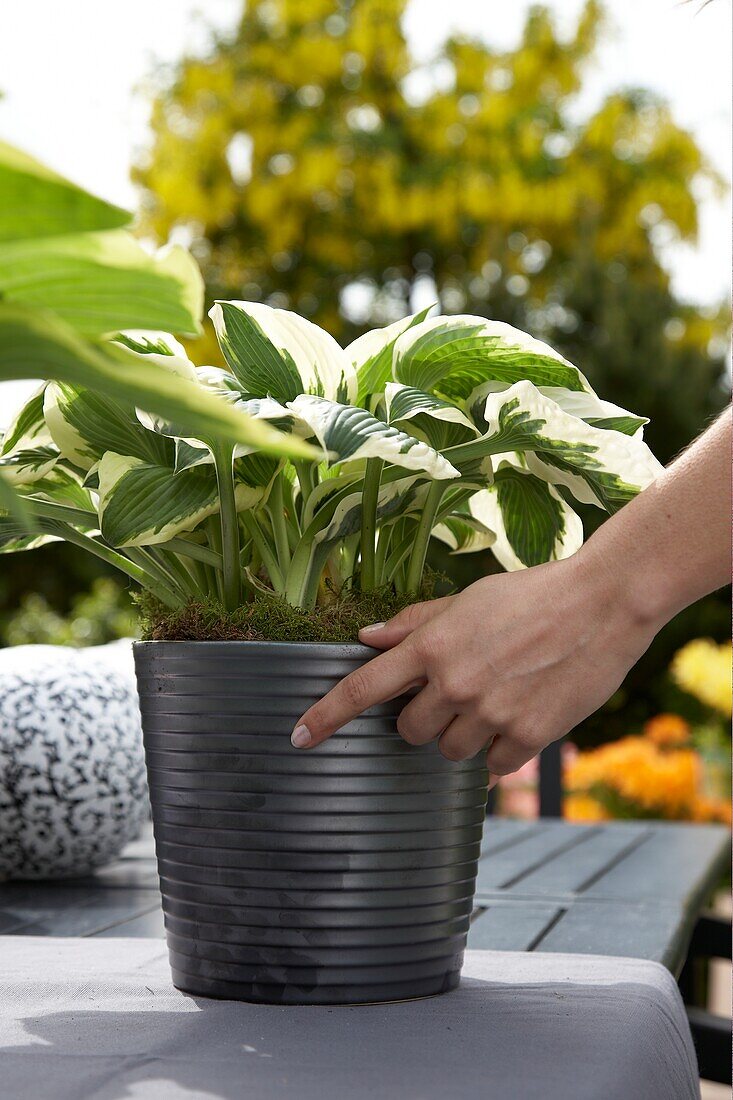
point(451, 356)
point(349, 434)
point(38, 345)
point(463, 533)
point(440, 422)
point(276, 353)
point(27, 428)
point(100, 283)
point(532, 521)
point(23, 467)
point(587, 406)
point(143, 504)
point(602, 467)
point(84, 424)
point(396, 499)
point(371, 356)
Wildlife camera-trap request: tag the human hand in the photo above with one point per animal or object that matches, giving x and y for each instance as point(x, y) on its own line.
point(509, 665)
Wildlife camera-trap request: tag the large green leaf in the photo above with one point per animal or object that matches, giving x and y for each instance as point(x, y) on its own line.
point(36, 202)
point(38, 345)
point(371, 356)
point(454, 355)
point(587, 406)
point(102, 282)
point(601, 467)
point(441, 423)
point(349, 433)
point(532, 522)
point(276, 353)
point(85, 424)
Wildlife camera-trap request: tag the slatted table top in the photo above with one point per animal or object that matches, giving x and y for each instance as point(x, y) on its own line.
point(624, 888)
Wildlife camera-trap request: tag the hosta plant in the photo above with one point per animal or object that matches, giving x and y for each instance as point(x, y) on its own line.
point(452, 428)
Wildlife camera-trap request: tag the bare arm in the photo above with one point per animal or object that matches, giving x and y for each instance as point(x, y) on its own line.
point(519, 659)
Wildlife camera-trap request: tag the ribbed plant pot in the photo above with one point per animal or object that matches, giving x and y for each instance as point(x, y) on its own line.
point(338, 875)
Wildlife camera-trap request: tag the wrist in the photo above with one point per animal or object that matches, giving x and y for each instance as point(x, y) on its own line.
point(623, 585)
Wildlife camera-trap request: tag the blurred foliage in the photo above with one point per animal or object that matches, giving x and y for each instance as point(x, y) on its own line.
point(100, 615)
point(313, 164)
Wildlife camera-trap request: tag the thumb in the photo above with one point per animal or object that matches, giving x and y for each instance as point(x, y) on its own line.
point(389, 634)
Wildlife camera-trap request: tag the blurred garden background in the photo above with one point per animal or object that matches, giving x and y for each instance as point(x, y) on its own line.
point(563, 167)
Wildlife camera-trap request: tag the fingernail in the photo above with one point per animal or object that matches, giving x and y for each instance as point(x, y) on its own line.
point(300, 737)
point(369, 629)
point(493, 780)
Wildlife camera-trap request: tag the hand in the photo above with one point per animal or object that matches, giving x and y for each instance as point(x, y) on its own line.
point(509, 665)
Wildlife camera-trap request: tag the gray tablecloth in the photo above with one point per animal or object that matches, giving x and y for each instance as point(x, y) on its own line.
point(99, 1020)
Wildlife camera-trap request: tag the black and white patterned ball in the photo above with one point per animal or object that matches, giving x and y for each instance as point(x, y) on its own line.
point(72, 771)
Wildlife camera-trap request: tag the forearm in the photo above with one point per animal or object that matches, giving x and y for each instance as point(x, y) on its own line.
point(671, 545)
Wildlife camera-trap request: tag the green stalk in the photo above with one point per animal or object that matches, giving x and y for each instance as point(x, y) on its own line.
point(223, 458)
point(140, 576)
point(369, 504)
point(276, 509)
point(422, 536)
point(264, 550)
point(194, 550)
point(163, 577)
point(307, 479)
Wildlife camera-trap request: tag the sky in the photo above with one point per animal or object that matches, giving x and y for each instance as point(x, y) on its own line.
point(74, 94)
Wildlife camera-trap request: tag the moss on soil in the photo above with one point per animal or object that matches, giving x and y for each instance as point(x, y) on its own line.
point(271, 619)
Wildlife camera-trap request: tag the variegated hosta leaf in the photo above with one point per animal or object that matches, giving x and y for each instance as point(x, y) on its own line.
point(605, 468)
point(14, 535)
point(100, 283)
point(454, 355)
point(23, 467)
point(160, 348)
point(464, 534)
point(84, 424)
point(371, 356)
point(396, 499)
point(532, 522)
point(441, 423)
point(580, 403)
point(142, 504)
point(276, 353)
point(349, 433)
point(28, 428)
point(61, 486)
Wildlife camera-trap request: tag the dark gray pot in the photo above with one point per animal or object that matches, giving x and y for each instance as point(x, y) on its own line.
point(340, 875)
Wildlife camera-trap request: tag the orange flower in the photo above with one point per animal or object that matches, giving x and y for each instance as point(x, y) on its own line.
point(579, 807)
point(667, 730)
point(712, 810)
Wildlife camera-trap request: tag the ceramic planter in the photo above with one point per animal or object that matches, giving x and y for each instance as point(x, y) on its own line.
point(340, 875)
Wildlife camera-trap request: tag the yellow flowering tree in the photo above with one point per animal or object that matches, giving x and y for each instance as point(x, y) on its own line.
point(315, 165)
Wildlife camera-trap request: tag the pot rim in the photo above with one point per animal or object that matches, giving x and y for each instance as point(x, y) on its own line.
point(346, 649)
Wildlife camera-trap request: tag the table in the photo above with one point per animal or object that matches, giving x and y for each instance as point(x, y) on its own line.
point(621, 889)
point(568, 990)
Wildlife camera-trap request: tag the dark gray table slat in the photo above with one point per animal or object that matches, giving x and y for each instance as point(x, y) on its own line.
point(659, 932)
point(148, 925)
point(503, 832)
point(677, 862)
point(509, 866)
point(84, 921)
point(511, 927)
point(583, 866)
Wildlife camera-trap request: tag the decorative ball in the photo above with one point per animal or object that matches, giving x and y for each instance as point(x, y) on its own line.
point(72, 770)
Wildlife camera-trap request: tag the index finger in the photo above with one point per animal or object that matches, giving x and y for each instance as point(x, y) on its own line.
point(382, 678)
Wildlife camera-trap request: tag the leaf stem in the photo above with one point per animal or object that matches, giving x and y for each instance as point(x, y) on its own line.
point(276, 509)
point(422, 536)
point(369, 504)
point(264, 549)
point(232, 588)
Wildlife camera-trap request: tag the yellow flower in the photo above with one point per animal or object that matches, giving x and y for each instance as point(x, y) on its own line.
point(579, 807)
point(704, 670)
point(712, 810)
point(667, 730)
